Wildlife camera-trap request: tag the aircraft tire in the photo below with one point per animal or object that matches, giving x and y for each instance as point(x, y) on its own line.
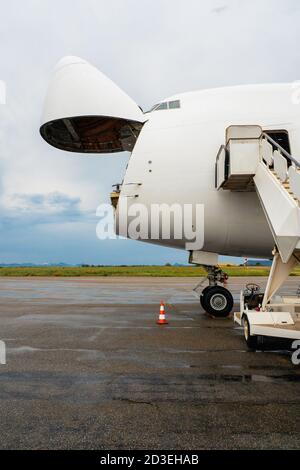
point(203, 296)
point(217, 301)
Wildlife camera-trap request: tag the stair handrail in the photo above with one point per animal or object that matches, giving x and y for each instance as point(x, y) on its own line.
point(220, 151)
point(223, 147)
point(281, 149)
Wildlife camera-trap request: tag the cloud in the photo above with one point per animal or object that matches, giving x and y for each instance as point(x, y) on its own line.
point(219, 10)
point(51, 203)
point(24, 210)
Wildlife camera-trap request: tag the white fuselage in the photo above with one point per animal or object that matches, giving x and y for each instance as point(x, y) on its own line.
point(174, 149)
point(174, 162)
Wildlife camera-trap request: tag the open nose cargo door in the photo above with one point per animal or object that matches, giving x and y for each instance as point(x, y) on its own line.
point(86, 112)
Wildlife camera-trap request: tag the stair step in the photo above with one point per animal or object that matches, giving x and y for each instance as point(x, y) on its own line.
point(286, 186)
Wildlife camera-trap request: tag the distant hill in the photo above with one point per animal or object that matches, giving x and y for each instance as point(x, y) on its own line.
point(251, 262)
point(259, 262)
point(33, 265)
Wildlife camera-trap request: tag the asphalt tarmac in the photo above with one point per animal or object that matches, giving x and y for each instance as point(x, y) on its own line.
point(88, 368)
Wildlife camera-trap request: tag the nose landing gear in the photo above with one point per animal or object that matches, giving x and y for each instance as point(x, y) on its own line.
point(216, 300)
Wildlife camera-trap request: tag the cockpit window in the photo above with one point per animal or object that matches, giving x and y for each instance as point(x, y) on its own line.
point(161, 107)
point(174, 104)
point(166, 105)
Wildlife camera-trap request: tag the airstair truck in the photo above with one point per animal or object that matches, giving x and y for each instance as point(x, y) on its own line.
point(252, 160)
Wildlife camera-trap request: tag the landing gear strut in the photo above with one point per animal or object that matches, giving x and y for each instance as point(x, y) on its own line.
point(216, 300)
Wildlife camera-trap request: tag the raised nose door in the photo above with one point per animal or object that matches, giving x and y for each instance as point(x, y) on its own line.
point(86, 112)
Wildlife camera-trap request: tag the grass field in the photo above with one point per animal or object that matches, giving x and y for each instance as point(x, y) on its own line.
point(130, 271)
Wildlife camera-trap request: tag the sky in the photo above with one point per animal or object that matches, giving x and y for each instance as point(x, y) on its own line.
point(151, 49)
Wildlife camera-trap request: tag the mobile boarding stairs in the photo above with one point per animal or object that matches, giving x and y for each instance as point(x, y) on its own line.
point(252, 161)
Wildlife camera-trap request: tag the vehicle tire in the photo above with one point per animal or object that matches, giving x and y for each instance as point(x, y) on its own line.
point(252, 341)
point(218, 301)
point(203, 296)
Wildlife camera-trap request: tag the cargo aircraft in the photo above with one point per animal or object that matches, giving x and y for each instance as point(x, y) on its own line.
point(232, 150)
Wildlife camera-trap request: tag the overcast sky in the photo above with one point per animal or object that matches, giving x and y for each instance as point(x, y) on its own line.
point(151, 49)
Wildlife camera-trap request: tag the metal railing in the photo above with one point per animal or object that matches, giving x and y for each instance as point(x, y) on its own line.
point(286, 167)
point(221, 150)
point(280, 149)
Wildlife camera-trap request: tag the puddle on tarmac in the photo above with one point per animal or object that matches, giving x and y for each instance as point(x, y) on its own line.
point(231, 367)
point(65, 290)
point(248, 378)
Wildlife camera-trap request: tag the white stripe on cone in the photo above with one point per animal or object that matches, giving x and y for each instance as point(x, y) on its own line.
point(162, 314)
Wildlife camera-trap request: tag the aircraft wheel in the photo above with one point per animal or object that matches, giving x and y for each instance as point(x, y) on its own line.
point(203, 296)
point(252, 341)
point(218, 301)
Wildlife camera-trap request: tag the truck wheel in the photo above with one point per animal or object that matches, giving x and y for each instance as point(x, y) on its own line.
point(252, 341)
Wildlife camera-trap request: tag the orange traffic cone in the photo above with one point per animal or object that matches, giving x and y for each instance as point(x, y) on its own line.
point(162, 315)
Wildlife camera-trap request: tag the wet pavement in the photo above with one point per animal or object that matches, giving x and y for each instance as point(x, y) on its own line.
point(88, 368)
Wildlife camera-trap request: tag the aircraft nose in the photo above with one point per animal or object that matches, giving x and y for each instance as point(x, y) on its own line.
point(68, 60)
point(86, 112)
